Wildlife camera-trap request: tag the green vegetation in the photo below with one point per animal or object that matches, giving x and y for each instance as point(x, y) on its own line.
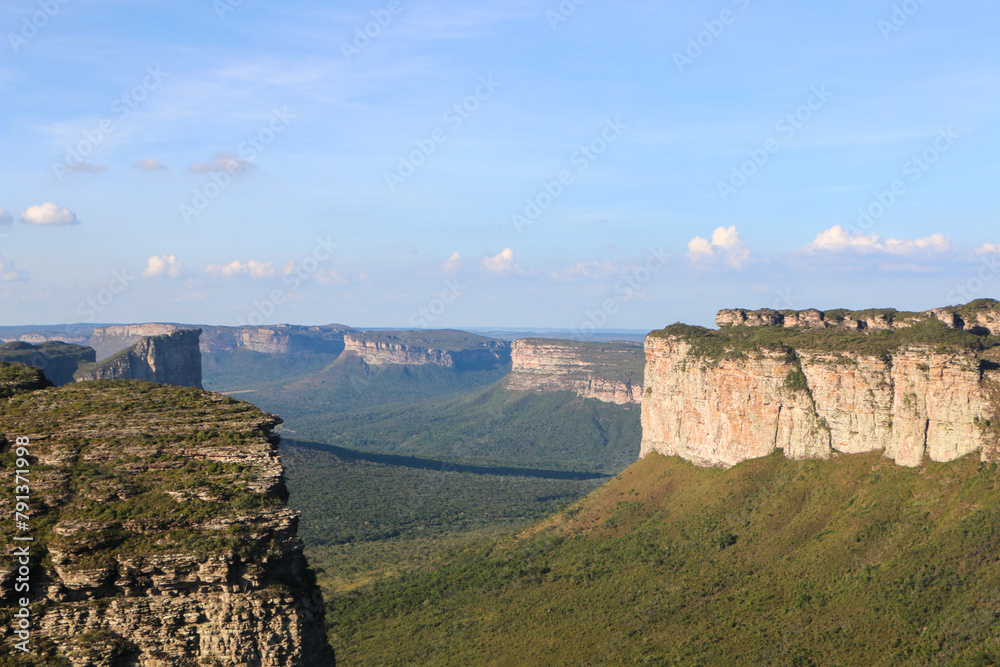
point(56, 359)
point(363, 521)
point(843, 562)
point(731, 340)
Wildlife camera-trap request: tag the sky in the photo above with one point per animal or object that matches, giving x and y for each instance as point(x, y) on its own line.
point(521, 163)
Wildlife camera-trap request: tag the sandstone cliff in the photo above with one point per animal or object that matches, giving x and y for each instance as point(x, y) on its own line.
point(173, 358)
point(160, 532)
point(926, 389)
point(451, 349)
point(610, 372)
point(264, 339)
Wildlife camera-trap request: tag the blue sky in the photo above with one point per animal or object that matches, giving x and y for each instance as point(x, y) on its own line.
point(519, 163)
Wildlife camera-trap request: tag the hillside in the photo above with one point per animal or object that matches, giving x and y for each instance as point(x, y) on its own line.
point(850, 561)
point(159, 530)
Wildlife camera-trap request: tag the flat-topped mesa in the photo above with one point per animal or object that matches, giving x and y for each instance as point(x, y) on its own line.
point(441, 347)
point(160, 531)
point(610, 372)
point(982, 313)
point(173, 358)
point(927, 389)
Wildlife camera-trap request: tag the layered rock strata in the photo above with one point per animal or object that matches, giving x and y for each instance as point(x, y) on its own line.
point(450, 349)
point(610, 372)
point(173, 358)
point(914, 402)
point(160, 532)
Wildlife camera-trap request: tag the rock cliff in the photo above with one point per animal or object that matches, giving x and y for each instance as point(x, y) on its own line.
point(451, 349)
point(172, 358)
point(160, 534)
point(265, 339)
point(924, 389)
point(610, 372)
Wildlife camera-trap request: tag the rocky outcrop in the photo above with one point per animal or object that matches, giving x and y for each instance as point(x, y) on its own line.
point(173, 358)
point(713, 402)
point(59, 361)
point(160, 534)
point(610, 372)
point(112, 339)
point(447, 348)
point(983, 314)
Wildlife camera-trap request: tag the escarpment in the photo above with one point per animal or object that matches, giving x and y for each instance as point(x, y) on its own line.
point(911, 385)
point(159, 532)
point(610, 372)
point(173, 358)
point(447, 348)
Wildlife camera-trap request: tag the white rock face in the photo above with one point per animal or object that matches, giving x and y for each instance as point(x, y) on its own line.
point(917, 403)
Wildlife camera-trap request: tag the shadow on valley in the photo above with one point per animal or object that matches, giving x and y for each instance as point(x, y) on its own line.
point(441, 466)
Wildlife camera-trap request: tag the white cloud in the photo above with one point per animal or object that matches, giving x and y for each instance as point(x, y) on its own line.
point(222, 161)
point(452, 264)
point(838, 239)
point(5, 217)
point(163, 265)
point(149, 164)
point(502, 264)
point(9, 270)
point(253, 268)
point(726, 245)
point(985, 249)
point(48, 214)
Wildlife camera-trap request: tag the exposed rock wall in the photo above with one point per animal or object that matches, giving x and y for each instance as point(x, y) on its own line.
point(915, 403)
point(173, 358)
point(265, 339)
point(161, 535)
point(610, 372)
point(457, 350)
point(983, 314)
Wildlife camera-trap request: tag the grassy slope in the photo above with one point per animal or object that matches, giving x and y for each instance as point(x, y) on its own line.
point(852, 561)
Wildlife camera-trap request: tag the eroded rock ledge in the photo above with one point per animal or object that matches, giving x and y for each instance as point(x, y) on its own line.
point(925, 385)
point(161, 531)
point(610, 372)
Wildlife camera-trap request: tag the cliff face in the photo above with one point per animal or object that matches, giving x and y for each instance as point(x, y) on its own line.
point(173, 358)
point(451, 349)
point(160, 532)
point(610, 372)
point(744, 401)
point(268, 339)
